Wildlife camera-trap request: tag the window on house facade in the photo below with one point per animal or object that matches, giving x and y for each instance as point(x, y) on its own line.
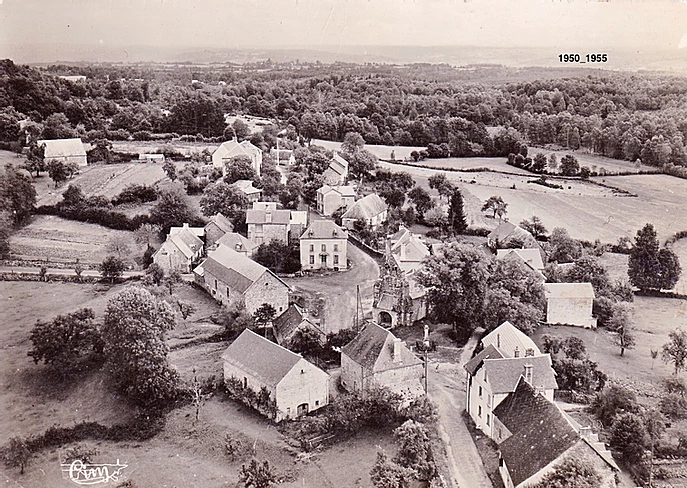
point(336, 259)
point(487, 419)
point(227, 291)
point(317, 403)
point(336, 248)
point(312, 247)
point(479, 392)
point(488, 400)
point(479, 411)
point(312, 259)
point(324, 248)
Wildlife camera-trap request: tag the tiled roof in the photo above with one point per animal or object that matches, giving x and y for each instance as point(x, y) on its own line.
point(339, 165)
point(506, 338)
point(260, 216)
point(324, 229)
point(186, 241)
point(569, 290)
point(373, 349)
point(489, 352)
point(232, 148)
point(529, 256)
point(540, 432)
point(223, 223)
point(260, 357)
point(57, 148)
point(366, 208)
point(503, 374)
point(234, 269)
point(237, 242)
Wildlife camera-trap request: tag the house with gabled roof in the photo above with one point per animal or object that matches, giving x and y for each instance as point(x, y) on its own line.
point(64, 151)
point(534, 436)
point(494, 372)
point(371, 209)
point(324, 245)
point(337, 172)
point(332, 198)
point(532, 257)
point(570, 304)
point(246, 186)
point(506, 233)
point(230, 149)
point(238, 243)
point(294, 384)
point(182, 248)
point(296, 321)
point(375, 357)
point(218, 226)
point(229, 276)
point(266, 225)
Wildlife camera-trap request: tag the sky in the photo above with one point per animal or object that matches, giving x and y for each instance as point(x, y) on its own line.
point(326, 24)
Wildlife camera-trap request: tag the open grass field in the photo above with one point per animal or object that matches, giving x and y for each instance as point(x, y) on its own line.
point(381, 151)
point(158, 146)
point(54, 238)
point(593, 161)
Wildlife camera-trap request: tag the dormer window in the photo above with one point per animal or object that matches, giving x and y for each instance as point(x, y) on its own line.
point(516, 353)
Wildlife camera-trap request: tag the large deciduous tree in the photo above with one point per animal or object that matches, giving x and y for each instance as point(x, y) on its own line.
point(173, 208)
point(496, 205)
point(239, 168)
point(571, 473)
point(650, 268)
point(569, 165)
point(135, 351)
point(675, 350)
point(227, 200)
point(17, 194)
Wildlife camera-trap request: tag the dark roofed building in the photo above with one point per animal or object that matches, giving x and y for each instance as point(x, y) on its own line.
point(375, 357)
point(216, 228)
point(296, 385)
point(371, 209)
point(295, 319)
point(324, 245)
point(266, 225)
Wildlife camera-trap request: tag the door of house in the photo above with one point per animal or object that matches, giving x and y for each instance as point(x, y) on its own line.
point(302, 409)
point(323, 257)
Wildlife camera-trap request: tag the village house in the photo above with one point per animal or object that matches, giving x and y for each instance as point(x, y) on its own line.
point(266, 225)
point(295, 321)
point(375, 357)
point(228, 276)
point(294, 384)
point(151, 158)
point(534, 436)
point(510, 235)
point(298, 222)
point(494, 372)
point(371, 209)
point(246, 186)
point(218, 226)
point(230, 149)
point(65, 151)
point(337, 172)
point(182, 248)
point(284, 157)
point(324, 246)
point(532, 257)
point(398, 298)
point(237, 242)
point(332, 198)
point(570, 304)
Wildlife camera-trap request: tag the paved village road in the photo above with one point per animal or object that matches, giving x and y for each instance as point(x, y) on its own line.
point(447, 390)
point(339, 289)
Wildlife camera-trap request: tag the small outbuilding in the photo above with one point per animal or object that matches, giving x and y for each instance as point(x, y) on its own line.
point(65, 151)
point(570, 304)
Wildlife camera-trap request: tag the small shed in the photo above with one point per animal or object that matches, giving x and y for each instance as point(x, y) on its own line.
point(570, 304)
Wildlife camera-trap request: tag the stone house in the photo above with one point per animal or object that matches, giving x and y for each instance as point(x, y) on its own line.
point(64, 151)
point(337, 172)
point(266, 225)
point(230, 149)
point(237, 242)
point(534, 436)
point(332, 198)
point(298, 222)
point(294, 384)
point(375, 357)
point(371, 209)
point(323, 245)
point(182, 248)
point(218, 226)
point(293, 321)
point(228, 276)
point(570, 304)
point(246, 186)
point(494, 373)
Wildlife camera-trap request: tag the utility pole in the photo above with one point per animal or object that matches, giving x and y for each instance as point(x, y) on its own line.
point(425, 347)
point(358, 308)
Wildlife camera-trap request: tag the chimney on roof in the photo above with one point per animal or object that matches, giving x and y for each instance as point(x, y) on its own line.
point(268, 217)
point(529, 352)
point(528, 373)
point(586, 432)
point(516, 352)
point(185, 225)
point(498, 341)
point(238, 247)
point(397, 350)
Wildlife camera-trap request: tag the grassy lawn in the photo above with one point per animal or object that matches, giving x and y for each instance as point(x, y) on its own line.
point(50, 237)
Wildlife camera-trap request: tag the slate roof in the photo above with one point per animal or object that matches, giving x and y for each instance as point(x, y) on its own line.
point(530, 256)
point(185, 240)
point(235, 270)
point(246, 186)
point(506, 230)
point(260, 216)
point(344, 191)
point(373, 349)
point(57, 148)
point(506, 337)
point(569, 290)
point(229, 149)
point(540, 432)
point(366, 208)
point(489, 352)
point(503, 374)
point(196, 231)
point(324, 229)
point(261, 358)
point(339, 165)
point(415, 249)
point(221, 222)
point(287, 323)
point(232, 240)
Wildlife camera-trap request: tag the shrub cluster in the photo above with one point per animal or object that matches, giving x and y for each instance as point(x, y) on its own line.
point(94, 215)
point(135, 194)
point(260, 401)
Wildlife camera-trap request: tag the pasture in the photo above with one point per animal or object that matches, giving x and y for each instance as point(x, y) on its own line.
point(594, 162)
point(52, 238)
point(381, 151)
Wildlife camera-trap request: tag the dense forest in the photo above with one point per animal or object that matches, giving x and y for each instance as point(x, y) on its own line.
point(619, 115)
